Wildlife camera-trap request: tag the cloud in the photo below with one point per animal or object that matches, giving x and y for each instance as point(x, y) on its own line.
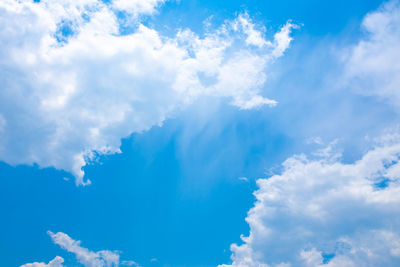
point(129, 263)
point(56, 262)
point(244, 179)
point(372, 67)
point(86, 257)
point(137, 7)
point(73, 82)
point(322, 212)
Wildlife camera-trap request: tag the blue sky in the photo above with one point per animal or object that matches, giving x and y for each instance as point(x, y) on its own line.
point(199, 133)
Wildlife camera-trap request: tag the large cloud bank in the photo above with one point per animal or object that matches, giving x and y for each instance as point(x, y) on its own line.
point(323, 212)
point(73, 82)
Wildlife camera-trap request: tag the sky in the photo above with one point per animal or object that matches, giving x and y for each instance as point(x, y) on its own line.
point(199, 133)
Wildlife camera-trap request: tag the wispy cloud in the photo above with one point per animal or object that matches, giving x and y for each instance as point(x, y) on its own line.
point(85, 256)
point(244, 179)
point(56, 262)
point(372, 67)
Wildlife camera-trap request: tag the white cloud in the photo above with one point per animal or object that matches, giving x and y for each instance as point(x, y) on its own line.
point(322, 212)
point(372, 67)
point(86, 257)
point(56, 262)
point(72, 86)
point(137, 6)
point(254, 37)
point(244, 179)
point(129, 263)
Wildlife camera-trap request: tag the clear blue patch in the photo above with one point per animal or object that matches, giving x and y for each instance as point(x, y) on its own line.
point(327, 257)
point(382, 183)
point(65, 30)
point(390, 164)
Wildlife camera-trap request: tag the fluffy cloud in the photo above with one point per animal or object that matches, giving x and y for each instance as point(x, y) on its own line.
point(73, 83)
point(322, 212)
point(373, 66)
point(56, 262)
point(86, 257)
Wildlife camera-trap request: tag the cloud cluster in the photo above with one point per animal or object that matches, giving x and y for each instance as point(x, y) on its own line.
point(56, 262)
point(323, 212)
point(86, 257)
point(73, 83)
point(372, 66)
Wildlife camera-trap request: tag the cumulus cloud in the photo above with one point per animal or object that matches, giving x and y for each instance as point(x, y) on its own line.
point(56, 262)
point(73, 83)
point(372, 67)
point(322, 212)
point(86, 257)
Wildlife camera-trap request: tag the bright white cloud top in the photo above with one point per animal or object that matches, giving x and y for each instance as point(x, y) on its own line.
point(85, 256)
point(72, 85)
